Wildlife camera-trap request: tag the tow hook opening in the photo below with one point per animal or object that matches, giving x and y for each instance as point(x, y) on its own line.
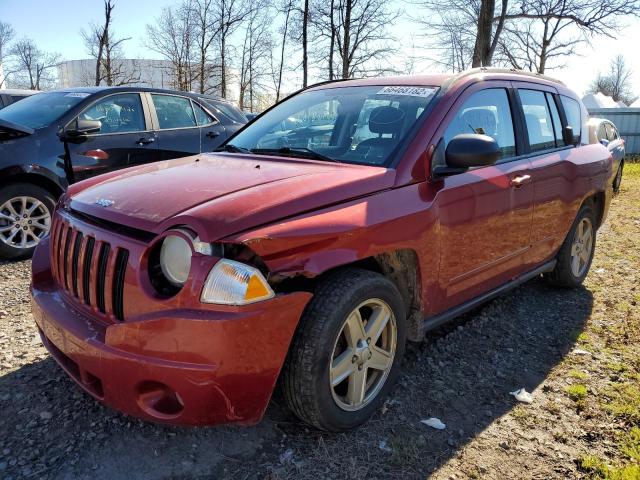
point(159, 400)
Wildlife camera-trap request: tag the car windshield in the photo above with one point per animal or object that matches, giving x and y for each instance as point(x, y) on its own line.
point(361, 125)
point(42, 109)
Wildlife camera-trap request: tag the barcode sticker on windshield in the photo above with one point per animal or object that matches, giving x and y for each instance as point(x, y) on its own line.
point(411, 91)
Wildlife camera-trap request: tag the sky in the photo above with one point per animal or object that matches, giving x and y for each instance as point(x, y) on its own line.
point(55, 26)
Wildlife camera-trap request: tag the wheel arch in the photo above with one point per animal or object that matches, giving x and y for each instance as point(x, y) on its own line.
point(597, 201)
point(38, 179)
point(401, 266)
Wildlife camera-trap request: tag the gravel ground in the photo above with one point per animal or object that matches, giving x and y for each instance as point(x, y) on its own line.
point(539, 338)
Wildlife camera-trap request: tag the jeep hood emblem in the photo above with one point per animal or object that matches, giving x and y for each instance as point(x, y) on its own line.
point(103, 202)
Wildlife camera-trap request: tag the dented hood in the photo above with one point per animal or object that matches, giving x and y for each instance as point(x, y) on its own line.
point(223, 194)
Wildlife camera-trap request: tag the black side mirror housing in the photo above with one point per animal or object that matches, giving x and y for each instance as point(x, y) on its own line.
point(472, 150)
point(81, 128)
point(568, 137)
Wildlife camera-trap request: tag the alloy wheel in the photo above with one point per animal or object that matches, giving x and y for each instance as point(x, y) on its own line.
point(363, 355)
point(581, 247)
point(24, 221)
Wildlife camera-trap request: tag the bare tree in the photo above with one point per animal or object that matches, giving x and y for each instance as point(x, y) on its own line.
point(462, 33)
point(173, 36)
point(305, 43)
point(256, 51)
point(206, 32)
point(286, 10)
point(616, 83)
point(228, 15)
point(362, 34)
point(323, 16)
point(6, 35)
point(32, 66)
point(545, 30)
point(102, 45)
point(488, 31)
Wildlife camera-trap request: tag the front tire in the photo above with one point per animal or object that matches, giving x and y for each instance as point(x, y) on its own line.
point(25, 219)
point(576, 253)
point(346, 353)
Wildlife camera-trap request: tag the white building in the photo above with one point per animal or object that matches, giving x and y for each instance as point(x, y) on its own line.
point(138, 72)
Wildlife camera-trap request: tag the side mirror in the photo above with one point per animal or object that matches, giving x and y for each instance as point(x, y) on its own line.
point(472, 150)
point(82, 127)
point(568, 137)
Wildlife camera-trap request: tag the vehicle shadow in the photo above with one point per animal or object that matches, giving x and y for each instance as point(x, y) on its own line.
point(462, 374)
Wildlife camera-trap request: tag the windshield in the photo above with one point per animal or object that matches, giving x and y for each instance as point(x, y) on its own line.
point(42, 109)
point(345, 124)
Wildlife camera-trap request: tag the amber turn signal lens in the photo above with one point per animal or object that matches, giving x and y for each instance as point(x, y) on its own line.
point(234, 283)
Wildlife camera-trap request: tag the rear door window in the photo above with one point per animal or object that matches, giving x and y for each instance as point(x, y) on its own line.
point(173, 111)
point(537, 117)
point(486, 112)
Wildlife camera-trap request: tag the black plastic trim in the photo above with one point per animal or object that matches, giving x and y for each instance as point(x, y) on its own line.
point(431, 323)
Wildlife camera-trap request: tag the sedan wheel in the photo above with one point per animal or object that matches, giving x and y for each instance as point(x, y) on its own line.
point(25, 218)
point(363, 355)
point(24, 221)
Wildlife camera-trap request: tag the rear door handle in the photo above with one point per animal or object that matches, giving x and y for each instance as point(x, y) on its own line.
point(212, 134)
point(145, 141)
point(520, 180)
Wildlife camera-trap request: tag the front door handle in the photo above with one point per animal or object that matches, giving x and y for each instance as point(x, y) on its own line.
point(520, 180)
point(145, 141)
point(212, 134)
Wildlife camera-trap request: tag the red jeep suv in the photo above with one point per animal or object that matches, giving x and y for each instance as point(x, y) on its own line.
point(344, 221)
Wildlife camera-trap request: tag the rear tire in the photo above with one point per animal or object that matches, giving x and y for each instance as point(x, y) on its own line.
point(576, 254)
point(25, 218)
point(345, 356)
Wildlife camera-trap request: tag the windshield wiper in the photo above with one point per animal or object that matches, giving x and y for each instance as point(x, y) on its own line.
point(303, 152)
point(229, 147)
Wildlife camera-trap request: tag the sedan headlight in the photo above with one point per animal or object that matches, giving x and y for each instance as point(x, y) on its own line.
point(234, 283)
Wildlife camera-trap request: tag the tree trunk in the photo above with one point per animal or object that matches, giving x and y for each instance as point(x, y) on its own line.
point(284, 39)
point(347, 40)
point(305, 24)
point(332, 42)
point(482, 48)
point(223, 66)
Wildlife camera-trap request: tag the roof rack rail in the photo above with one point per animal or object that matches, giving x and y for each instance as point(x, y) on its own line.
point(507, 70)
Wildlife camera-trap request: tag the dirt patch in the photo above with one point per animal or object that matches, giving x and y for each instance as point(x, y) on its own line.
point(577, 351)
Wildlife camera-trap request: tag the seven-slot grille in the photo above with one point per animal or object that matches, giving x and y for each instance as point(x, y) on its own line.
point(89, 269)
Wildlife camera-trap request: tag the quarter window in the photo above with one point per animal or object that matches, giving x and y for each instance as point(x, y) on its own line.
point(574, 117)
point(120, 113)
point(202, 117)
point(173, 112)
point(486, 112)
point(538, 119)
